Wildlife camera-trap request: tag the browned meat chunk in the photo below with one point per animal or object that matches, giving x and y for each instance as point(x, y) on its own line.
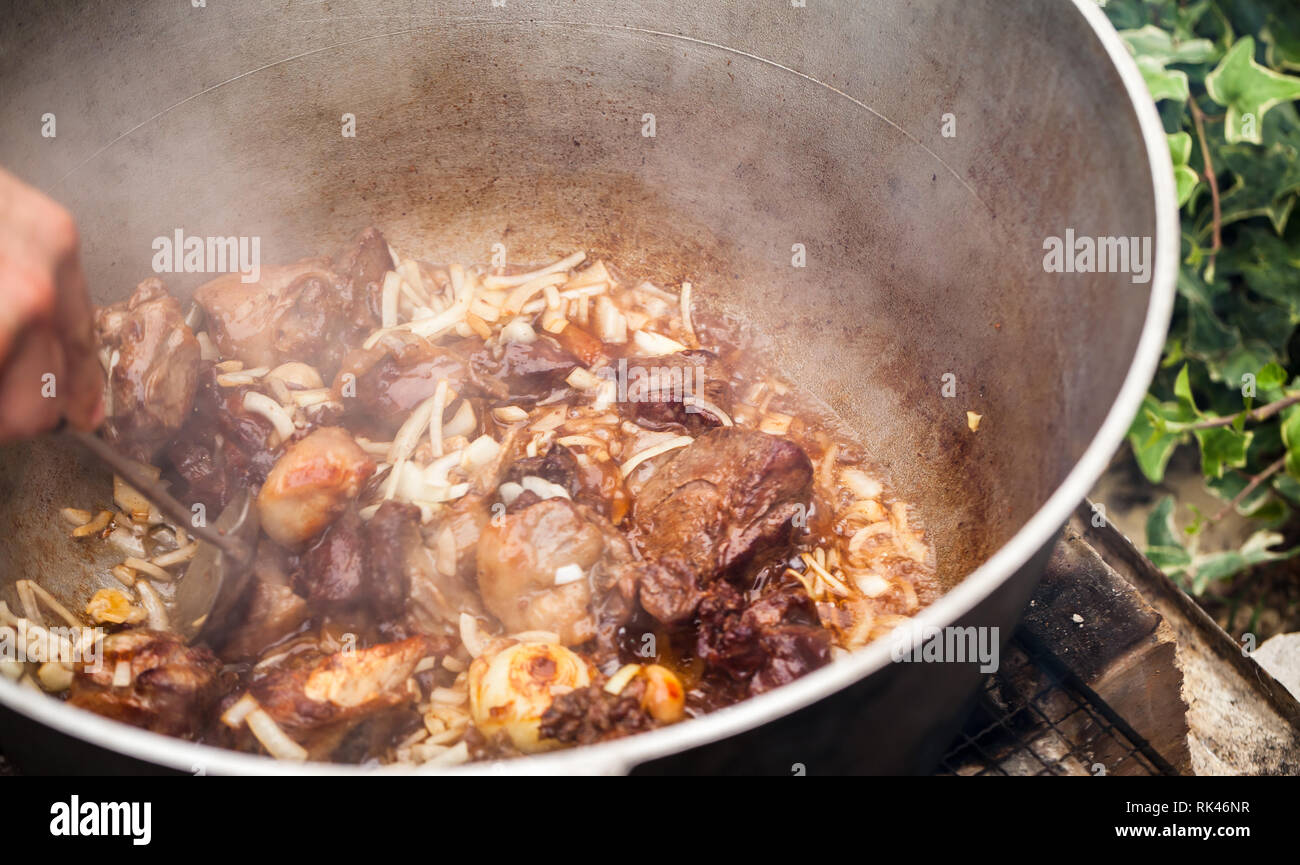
point(318, 701)
point(542, 567)
point(772, 641)
point(362, 267)
point(659, 388)
point(389, 391)
point(312, 485)
point(153, 381)
point(172, 687)
point(595, 483)
point(708, 510)
point(310, 311)
point(270, 610)
point(360, 565)
point(526, 371)
point(588, 715)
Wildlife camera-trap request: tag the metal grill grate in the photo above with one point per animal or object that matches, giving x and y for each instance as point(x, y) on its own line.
point(1034, 717)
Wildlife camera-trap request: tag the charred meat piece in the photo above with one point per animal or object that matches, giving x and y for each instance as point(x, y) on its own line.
point(311, 485)
point(595, 483)
point(362, 267)
point(311, 311)
point(153, 381)
point(318, 701)
point(659, 390)
point(270, 610)
point(172, 687)
point(223, 447)
point(389, 391)
point(360, 565)
point(588, 715)
point(707, 511)
point(333, 576)
point(767, 643)
point(553, 566)
point(526, 371)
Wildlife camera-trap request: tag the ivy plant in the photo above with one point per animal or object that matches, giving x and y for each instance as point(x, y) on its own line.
point(1223, 75)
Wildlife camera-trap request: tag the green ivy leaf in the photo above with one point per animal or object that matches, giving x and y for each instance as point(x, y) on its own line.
point(1164, 548)
point(1185, 179)
point(1152, 42)
point(1152, 444)
point(1220, 447)
point(1213, 567)
point(1163, 83)
point(1248, 90)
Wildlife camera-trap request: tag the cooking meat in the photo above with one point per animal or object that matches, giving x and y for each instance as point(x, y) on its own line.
point(711, 507)
point(658, 393)
point(270, 610)
point(171, 688)
point(766, 643)
point(222, 448)
point(311, 486)
point(389, 390)
point(590, 481)
point(549, 563)
point(540, 568)
point(317, 701)
point(307, 311)
point(155, 372)
point(361, 565)
point(526, 371)
point(362, 267)
point(588, 715)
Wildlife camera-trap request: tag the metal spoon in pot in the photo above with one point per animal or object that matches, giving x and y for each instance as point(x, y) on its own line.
point(219, 571)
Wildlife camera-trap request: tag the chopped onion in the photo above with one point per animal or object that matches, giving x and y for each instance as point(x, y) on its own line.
point(860, 483)
point(235, 715)
point(462, 423)
point(636, 460)
point(127, 542)
point(654, 344)
point(153, 605)
point(470, 635)
point(582, 379)
point(276, 742)
point(300, 375)
point(509, 414)
point(435, 416)
point(76, 516)
point(509, 491)
point(620, 680)
point(543, 488)
point(563, 265)
point(611, 325)
point(686, 313)
point(711, 408)
point(261, 404)
point(566, 574)
point(479, 453)
point(207, 348)
point(519, 330)
point(122, 674)
point(388, 298)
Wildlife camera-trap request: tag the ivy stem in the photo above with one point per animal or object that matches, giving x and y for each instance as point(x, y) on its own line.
point(1199, 119)
point(1264, 412)
point(1250, 488)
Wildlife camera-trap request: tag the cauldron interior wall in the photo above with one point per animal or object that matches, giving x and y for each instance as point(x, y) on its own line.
point(775, 129)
